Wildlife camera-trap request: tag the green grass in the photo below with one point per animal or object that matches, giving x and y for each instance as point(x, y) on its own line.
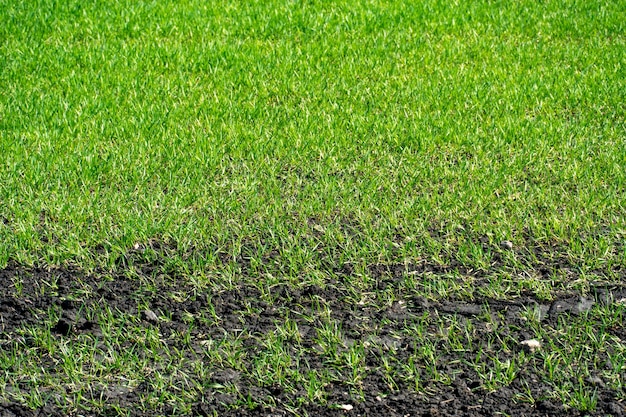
point(207, 124)
point(295, 138)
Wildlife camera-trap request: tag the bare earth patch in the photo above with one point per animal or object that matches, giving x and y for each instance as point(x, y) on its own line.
point(398, 354)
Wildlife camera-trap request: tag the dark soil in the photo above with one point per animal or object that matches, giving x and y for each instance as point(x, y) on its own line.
point(72, 294)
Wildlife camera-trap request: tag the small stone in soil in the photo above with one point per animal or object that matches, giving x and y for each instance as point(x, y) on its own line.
point(531, 345)
point(148, 315)
point(584, 304)
point(595, 380)
point(506, 245)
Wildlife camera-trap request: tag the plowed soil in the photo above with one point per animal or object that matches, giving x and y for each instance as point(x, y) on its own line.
point(73, 295)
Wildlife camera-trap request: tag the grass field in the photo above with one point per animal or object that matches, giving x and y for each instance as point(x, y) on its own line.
point(299, 206)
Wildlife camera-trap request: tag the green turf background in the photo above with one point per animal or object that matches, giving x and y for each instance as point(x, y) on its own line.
point(207, 124)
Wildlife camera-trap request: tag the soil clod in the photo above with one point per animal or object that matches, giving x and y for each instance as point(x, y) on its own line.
point(63, 327)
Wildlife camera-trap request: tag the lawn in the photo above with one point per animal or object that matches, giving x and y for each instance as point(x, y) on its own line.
point(312, 207)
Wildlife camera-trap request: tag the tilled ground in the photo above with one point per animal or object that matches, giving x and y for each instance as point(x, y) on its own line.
point(452, 345)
